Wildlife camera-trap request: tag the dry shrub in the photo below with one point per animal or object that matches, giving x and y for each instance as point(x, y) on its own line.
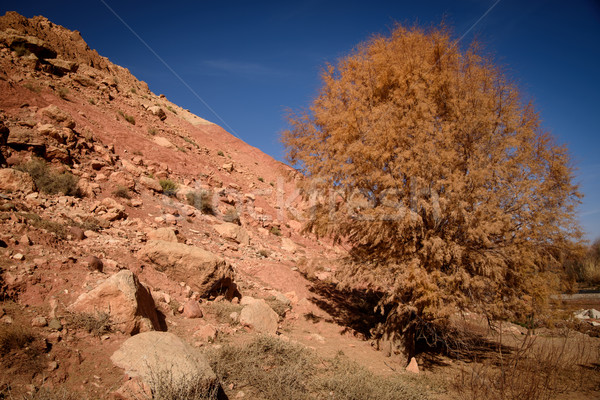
point(53, 394)
point(269, 368)
point(164, 386)
point(168, 186)
point(222, 310)
point(539, 369)
point(202, 200)
point(35, 220)
point(278, 306)
point(122, 192)
point(14, 337)
point(231, 215)
point(97, 324)
point(48, 181)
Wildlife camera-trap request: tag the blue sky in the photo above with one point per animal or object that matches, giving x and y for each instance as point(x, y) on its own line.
point(249, 61)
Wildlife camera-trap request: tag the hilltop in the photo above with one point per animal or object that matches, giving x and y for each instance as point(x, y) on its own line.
point(123, 214)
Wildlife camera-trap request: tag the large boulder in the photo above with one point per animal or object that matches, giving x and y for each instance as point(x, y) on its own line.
point(13, 180)
point(259, 316)
point(233, 232)
point(154, 356)
point(164, 234)
point(128, 302)
point(202, 270)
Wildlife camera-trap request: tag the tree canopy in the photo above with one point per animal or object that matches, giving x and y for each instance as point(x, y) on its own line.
point(426, 161)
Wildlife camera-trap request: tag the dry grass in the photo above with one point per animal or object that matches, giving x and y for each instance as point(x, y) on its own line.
point(164, 386)
point(97, 324)
point(202, 200)
point(48, 181)
point(222, 310)
point(169, 187)
point(14, 337)
point(540, 368)
point(271, 369)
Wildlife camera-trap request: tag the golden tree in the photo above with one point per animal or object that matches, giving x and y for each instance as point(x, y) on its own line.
point(425, 160)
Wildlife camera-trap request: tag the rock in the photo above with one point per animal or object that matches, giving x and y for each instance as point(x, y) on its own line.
point(164, 234)
point(60, 67)
point(123, 179)
point(288, 245)
point(153, 354)
point(39, 322)
point(594, 314)
point(233, 232)
point(164, 142)
point(55, 324)
point(204, 271)
point(25, 240)
point(114, 210)
point(58, 115)
point(18, 257)
point(128, 302)
point(93, 263)
point(228, 167)
point(259, 316)
point(413, 366)
point(33, 44)
point(16, 181)
point(159, 112)
point(151, 184)
point(191, 309)
point(77, 233)
point(206, 333)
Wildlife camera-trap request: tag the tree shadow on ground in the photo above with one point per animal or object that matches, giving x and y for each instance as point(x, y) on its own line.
point(355, 310)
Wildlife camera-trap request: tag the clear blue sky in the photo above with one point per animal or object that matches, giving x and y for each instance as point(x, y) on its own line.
point(251, 60)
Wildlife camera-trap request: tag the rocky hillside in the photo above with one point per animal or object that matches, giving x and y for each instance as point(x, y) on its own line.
point(135, 235)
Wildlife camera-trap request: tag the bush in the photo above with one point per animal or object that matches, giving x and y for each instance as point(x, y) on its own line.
point(151, 131)
point(127, 118)
point(14, 337)
point(169, 187)
point(122, 192)
point(62, 93)
point(164, 386)
point(275, 230)
point(97, 324)
point(261, 179)
point(35, 89)
point(231, 215)
point(202, 201)
point(220, 153)
point(48, 181)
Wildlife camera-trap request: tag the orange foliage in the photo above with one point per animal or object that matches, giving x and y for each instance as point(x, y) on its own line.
point(425, 159)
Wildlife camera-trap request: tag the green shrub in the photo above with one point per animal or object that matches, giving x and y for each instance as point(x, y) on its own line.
point(202, 201)
point(151, 131)
point(14, 337)
point(92, 101)
point(62, 93)
point(275, 230)
point(171, 109)
point(169, 187)
point(48, 181)
point(220, 153)
point(133, 90)
point(127, 118)
point(261, 179)
point(33, 88)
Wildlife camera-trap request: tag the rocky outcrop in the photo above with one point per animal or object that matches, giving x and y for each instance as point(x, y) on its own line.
point(152, 355)
point(202, 270)
point(16, 181)
point(128, 302)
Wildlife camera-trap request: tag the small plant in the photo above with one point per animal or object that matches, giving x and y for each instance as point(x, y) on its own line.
point(202, 201)
point(190, 141)
point(151, 131)
point(133, 90)
point(48, 181)
point(171, 109)
point(92, 101)
point(122, 192)
point(62, 93)
point(14, 337)
point(97, 324)
point(275, 230)
point(220, 153)
point(126, 117)
point(191, 386)
point(263, 253)
point(222, 310)
point(272, 184)
point(278, 306)
point(261, 179)
point(20, 50)
point(36, 221)
point(33, 88)
point(169, 187)
point(231, 215)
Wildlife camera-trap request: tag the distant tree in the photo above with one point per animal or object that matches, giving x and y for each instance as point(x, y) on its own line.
point(426, 162)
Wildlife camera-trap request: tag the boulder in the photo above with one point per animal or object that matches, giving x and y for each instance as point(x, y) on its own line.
point(151, 184)
point(154, 355)
point(56, 114)
point(191, 309)
point(123, 179)
point(413, 366)
point(233, 232)
point(17, 181)
point(202, 270)
point(60, 67)
point(259, 316)
point(159, 112)
point(23, 136)
point(128, 302)
point(164, 142)
point(164, 234)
